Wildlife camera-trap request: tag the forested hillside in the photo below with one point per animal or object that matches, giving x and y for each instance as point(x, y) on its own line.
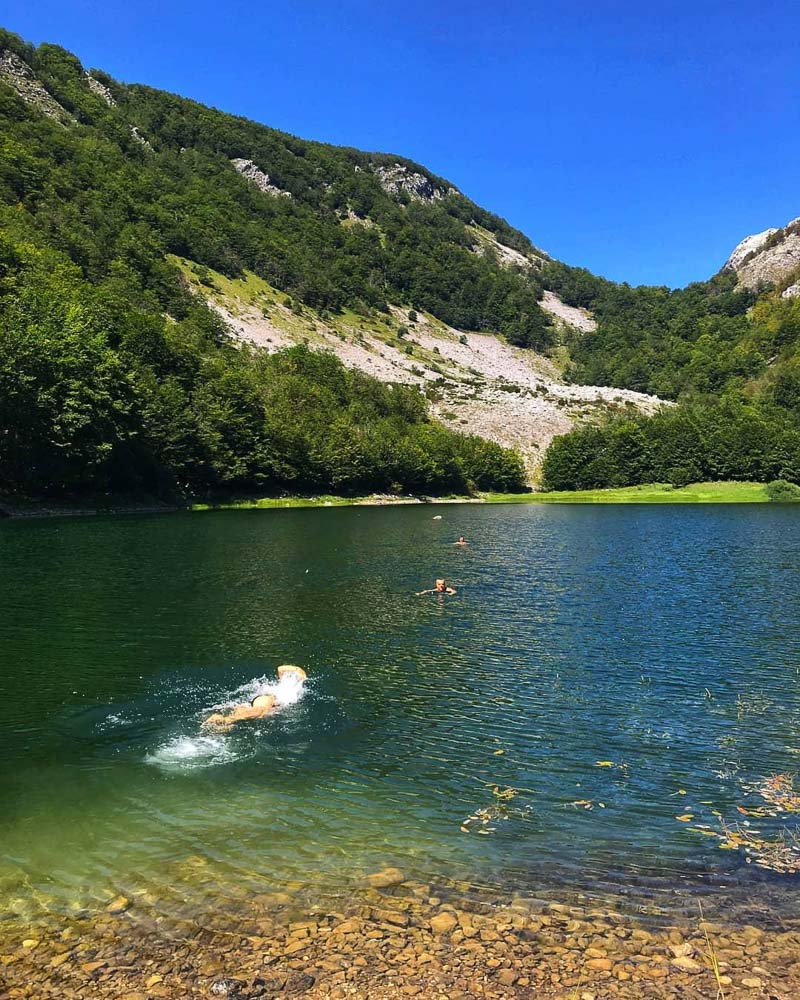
point(112, 375)
point(729, 354)
point(123, 211)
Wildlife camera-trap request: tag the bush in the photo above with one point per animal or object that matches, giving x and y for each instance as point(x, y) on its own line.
point(781, 491)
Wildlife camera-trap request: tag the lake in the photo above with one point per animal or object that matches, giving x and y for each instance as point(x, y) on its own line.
point(590, 712)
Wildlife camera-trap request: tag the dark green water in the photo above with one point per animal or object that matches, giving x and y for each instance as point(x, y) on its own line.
point(661, 638)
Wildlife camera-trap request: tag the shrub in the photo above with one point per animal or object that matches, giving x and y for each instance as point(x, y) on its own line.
point(781, 491)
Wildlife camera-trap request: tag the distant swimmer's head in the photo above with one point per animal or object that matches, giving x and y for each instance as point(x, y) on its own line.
point(289, 670)
point(264, 701)
point(441, 584)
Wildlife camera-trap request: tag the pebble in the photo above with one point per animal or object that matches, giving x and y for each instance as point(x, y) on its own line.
point(600, 964)
point(386, 879)
point(443, 923)
point(686, 964)
point(386, 942)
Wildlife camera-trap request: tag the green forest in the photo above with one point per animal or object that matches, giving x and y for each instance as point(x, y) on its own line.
point(729, 358)
point(113, 377)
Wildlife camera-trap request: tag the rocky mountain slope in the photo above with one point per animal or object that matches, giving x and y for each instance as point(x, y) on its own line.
point(476, 382)
point(771, 257)
point(344, 245)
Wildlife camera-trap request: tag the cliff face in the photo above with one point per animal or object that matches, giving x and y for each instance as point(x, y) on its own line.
point(771, 257)
point(15, 72)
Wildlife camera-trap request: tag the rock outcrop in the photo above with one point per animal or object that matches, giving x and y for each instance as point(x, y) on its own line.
point(251, 172)
point(398, 179)
point(137, 135)
point(101, 90)
point(769, 257)
point(749, 245)
point(18, 74)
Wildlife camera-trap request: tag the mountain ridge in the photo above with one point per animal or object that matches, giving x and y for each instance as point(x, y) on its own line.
point(164, 214)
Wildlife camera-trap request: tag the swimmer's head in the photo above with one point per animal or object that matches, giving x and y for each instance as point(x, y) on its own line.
point(441, 584)
point(289, 670)
point(264, 701)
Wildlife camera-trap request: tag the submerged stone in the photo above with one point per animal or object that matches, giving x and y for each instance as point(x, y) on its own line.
point(386, 879)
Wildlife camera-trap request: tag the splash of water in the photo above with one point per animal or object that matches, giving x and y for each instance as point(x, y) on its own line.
point(185, 752)
point(288, 690)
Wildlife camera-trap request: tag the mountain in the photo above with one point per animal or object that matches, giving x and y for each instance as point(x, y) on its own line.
point(150, 207)
point(192, 301)
point(769, 258)
point(727, 350)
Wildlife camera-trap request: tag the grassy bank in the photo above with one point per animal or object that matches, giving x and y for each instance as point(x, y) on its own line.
point(729, 492)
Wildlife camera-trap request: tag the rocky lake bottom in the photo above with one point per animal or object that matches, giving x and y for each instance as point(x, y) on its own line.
point(390, 936)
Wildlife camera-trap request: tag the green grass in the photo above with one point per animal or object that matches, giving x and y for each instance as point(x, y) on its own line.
point(269, 503)
point(728, 492)
point(652, 493)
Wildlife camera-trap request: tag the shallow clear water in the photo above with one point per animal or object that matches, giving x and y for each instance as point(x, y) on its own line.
point(664, 639)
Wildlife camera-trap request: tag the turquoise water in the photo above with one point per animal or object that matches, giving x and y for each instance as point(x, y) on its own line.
point(663, 640)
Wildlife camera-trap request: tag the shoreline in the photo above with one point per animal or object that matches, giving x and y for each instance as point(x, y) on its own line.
point(655, 493)
point(392, 937)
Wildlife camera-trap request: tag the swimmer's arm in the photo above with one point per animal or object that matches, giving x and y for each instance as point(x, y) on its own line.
point(419, 593)
point(450, 590)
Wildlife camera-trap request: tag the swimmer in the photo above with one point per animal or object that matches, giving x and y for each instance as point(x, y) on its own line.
point(461, 541)
point(261, 706)
point(440, 588)
point(258, 708)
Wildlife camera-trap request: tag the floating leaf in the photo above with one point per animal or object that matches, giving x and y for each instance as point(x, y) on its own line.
point(604, 763)
point(686, 818)
point(498, 752)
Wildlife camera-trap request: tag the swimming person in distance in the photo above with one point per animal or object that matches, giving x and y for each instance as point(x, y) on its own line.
point(261, 706)
point(461, 541)
point(440, 588)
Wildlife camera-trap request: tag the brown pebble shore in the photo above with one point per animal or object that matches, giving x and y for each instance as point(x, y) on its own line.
point(393, 937)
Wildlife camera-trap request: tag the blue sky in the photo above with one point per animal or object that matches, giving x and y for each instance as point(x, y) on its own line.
point(639, 140)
